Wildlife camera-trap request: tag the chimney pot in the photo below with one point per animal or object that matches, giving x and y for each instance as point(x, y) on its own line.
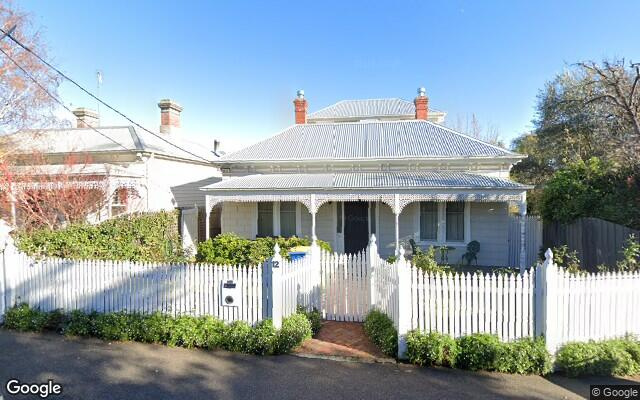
point(86, 117)
point(169, 116)
point(300, 106)
point(422, 104)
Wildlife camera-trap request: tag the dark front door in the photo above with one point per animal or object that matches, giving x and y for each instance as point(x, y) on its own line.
point(356, 226)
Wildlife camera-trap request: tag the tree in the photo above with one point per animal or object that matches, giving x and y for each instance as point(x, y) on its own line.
point(23, 104)
point(471, 126)
point(45, 195)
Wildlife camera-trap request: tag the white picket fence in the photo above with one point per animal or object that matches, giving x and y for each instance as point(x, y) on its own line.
point(461, 304)
point(545, 301)
point(109, 286)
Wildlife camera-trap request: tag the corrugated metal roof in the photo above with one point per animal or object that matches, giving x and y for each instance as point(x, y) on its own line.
point(365, 108)
point(367, 140)
point(364, 180)
point(84, 140)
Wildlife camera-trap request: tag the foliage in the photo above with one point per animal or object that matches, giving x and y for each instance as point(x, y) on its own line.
point(379, 328)
point(184, 331)
point(478, 351)
point(295, 329)
point(315, 318)
point(565, 258)
point(431, 349)
point(592, 188)
point(229, 248)
point(631, 255)
point(524, 356)
point(617, 357)
point(426, 261)
point(151, 237)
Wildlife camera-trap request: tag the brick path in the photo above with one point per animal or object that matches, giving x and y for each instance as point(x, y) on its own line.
point(342, 340)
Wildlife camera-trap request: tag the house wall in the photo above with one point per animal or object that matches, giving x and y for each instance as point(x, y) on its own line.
point(240, 218)
point(325, 223)
point(177, 184)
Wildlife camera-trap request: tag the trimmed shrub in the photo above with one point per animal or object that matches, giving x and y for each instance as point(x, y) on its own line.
point(231, 249)
point(186, 331)
point(315, 318)
point(151, 237)
point(478, 351)
point(616, 357)
point(524, 356)
point(262, 338)
point(431, 349)
point(295, 329)
point(382, 333)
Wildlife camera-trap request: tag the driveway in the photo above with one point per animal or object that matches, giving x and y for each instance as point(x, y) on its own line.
point(93, 369)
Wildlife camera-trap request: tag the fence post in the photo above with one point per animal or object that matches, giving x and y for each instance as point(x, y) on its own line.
point(547, 302)
point(316, 269)
point(274, 287)
point(404, 303)
point(372, 262)
point(7, 249)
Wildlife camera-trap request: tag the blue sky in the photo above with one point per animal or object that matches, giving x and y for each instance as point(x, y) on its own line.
point(235, 66)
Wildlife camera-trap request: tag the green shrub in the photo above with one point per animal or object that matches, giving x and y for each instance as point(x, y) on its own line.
point(186, 331)
point(262, 338)
point(478, 351)
point(524, 356)
point(229, 248)
point(315, 318)
point(236, 336)
point(616, 357)
point(382, 333)
point(431, 349)
point(151, 237)
point(295, 329)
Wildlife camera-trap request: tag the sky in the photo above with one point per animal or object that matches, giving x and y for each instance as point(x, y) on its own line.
point(235, 66)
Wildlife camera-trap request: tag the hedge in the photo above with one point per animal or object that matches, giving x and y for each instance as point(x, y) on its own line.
point(149, 237)
point(479, 352)
point(614, 357)
point(379, 328)
point(231, 249)
point(184, 331)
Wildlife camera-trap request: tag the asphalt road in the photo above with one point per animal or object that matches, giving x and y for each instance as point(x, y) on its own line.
point(93, 369)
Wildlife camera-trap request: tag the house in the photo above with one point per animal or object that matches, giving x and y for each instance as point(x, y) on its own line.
point(140, 171)
point(360, 167)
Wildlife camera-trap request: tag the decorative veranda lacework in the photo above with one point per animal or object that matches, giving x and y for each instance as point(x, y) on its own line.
point(79, 184)
point(314, 201)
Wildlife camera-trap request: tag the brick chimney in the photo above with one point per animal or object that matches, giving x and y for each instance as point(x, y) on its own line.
point(300, 105)
point(86, 117)
point(169, 116)
point(422, 104)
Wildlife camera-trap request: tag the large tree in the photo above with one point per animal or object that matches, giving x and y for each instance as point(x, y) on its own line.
point(23, 104)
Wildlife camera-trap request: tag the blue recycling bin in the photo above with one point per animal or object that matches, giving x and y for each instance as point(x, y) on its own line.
point(297, 255)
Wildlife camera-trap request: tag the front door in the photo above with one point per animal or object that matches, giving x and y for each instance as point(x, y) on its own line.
point(356, 226)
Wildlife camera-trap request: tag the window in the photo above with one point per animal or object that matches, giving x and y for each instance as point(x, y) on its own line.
point(287, 218)
point(339, 217)
point(455, 221)
point(372, 216)
point(428, 220)
point(119, 201)
point(265, 219)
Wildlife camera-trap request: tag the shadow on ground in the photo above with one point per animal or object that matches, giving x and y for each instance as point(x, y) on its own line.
point(90, 368)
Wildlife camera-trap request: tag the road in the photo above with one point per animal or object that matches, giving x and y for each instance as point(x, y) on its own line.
point(93, 369)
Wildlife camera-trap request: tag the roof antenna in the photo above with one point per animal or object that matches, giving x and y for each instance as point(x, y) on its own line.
point(98, 85)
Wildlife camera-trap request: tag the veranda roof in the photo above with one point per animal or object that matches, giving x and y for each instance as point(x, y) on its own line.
point(365, 180)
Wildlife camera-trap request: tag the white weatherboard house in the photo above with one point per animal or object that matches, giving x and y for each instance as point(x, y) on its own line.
point(140, 171)
point(383, 166)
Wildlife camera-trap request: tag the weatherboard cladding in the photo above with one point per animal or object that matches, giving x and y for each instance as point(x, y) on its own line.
point(356, 180)
point(367, 140)
point(365, 108)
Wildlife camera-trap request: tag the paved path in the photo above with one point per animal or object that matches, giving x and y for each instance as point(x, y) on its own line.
point(92, 369)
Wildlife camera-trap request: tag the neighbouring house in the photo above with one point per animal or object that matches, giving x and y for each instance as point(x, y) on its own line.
point(360, 167)
point(139, 171)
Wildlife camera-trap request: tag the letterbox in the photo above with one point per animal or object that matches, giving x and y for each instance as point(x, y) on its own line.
point(230, 293)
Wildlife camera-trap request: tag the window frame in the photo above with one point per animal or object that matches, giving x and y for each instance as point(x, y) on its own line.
point(441, 239)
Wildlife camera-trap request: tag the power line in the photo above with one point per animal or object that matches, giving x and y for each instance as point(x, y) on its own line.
point(57, 100)
point(95, 97)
